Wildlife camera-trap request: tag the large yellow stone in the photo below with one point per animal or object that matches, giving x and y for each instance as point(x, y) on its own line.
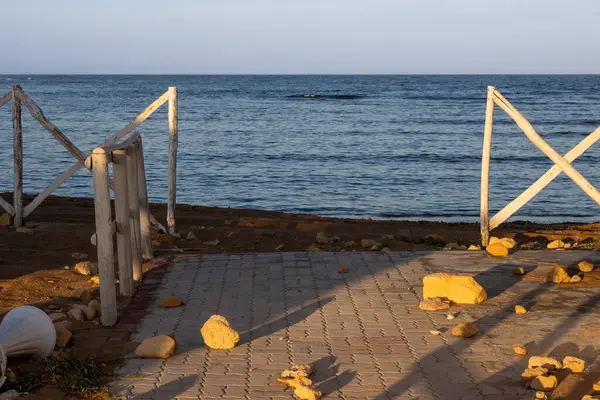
point(544, 383)
point(461, 289)
point(217, 333)
point(575, 364)
point(161, 346)
point(497, 249)
point(307, 393)
point(558, 275)
point(507, 242)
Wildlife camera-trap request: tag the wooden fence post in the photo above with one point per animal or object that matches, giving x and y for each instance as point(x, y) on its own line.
point(173, 142)
point(485, 166)
point(122, 222)
point(146, 237)
point(106, 266)
point(17, 158)
point(134, 211)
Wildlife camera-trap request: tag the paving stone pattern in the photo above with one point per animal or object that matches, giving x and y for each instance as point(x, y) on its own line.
point(362, 330)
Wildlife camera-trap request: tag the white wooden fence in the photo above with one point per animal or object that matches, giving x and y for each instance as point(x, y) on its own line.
point(17, 97)
point(562, 164)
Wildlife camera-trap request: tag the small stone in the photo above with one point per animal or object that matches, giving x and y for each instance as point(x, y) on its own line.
point(596, 386)
point(63, 336)
point(435, 333)
point(568, 245)
point(62, 324)
point(321, 238)
point(544, 383)
point(79, 256)
point(375, 247)
point(518, 271)
point(434, 304)
point(451, 246)
point(342, 269)
point(461, 289)
point(58, 317)
point(89, 312)
point(82, 294)
point(5, 220)
point(556, 244)
point(350, 244)
point(77, 314)
point(298, 370)
point(450, 316)
point(27, 231)
point(212, 242)
point(575, 279)
point(586, 397)
point(541, 395)
point(506, 242)
point(191, 236)
point(575, 364)
point(497, 249)
point(550, 363)
point(169, 302)
point(94, 280)
point(161, 346)
point(520, 310)
point(95, 304)
point(313, 248)
point(217, 333)
point(558, 275)
point(368, 243)
point(585, 266)
point(279, 248)
point(465, 330)
point(385, 250)
point(520, 350)
point(474, 248)
point(307, 393)
point(530, 373)
point(86, 268)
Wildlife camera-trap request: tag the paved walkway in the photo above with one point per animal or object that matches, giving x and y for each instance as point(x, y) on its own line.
point(362, 329)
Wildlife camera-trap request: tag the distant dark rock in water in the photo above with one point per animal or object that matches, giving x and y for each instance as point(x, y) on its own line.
point(312, 96)
point(327, 96)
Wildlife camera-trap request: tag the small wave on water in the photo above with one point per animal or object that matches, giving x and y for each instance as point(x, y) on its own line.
point(314, 96)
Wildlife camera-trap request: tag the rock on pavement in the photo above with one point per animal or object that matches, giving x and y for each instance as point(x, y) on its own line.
point(460, 289)
point(217, 333)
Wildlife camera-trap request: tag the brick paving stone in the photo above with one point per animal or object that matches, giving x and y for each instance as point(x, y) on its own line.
point(363, 330)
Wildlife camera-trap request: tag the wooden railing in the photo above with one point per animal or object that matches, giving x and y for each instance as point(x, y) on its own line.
point(562, 164)
point(19, 211)
point(131, 223)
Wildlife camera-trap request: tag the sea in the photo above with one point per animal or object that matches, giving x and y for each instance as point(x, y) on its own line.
point(381, 147)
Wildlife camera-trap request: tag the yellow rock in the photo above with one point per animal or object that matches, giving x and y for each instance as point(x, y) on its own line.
point(342, 269)
point(575, 364)
point(474, 248)
point(307, 393)
point(518, 271)
point(493, 239)
point(434, 304)
point(550, 363)
point(82, 294)
point(520, 350)
point(520, 310)
point(530, 373)
point(295, 382)
point(95, 280)
point(544, 383)
point(169, 302)
point(596, 386)
point(541, 395)
point(508, 242)
point(497, 249)
point(589, 397)
point(556, 244)
point(5, 220)
point(460, 289)
point(161, 346)
point(217, 333)
point(465, 330)
point(558, 275)
point(95, 304)
point(298, 370)
point(585, 266)
point(63, 335)
point(89, 312)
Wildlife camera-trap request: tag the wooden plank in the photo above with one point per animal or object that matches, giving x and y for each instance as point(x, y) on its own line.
point(106, 267)
point(38, 115)
point(51, 188)
point(485, 166)
point(134, 212)
point(17, 158)
point(122, 222)
point(543, 181)
point(6, 98)
point(536, 139)
point(122, 143)
point(173, 143)
point(7, 207)
point(146, 234)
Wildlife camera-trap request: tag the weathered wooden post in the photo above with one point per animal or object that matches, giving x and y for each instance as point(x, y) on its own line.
point(134, 211)
point(146, 237)
point(120, 189)
point(106, 266)
point(17, 158)
point(485, 166)
point(173, 142)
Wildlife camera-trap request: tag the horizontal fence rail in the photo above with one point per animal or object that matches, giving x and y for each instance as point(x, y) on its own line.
point(561, 164)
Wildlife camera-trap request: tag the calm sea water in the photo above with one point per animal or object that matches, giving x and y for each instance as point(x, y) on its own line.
point(404, 147)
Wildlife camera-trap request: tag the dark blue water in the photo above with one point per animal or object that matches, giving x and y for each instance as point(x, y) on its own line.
point(372, 146)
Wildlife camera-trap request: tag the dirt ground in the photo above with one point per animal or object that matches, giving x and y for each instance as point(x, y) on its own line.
point(35, 267)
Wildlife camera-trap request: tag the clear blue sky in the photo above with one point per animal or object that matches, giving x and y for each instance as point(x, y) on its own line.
point(299, 36)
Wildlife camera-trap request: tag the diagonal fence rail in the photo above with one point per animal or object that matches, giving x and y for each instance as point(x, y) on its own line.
point(561, 164)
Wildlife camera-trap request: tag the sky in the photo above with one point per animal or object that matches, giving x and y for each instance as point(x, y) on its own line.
point(299, 37)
